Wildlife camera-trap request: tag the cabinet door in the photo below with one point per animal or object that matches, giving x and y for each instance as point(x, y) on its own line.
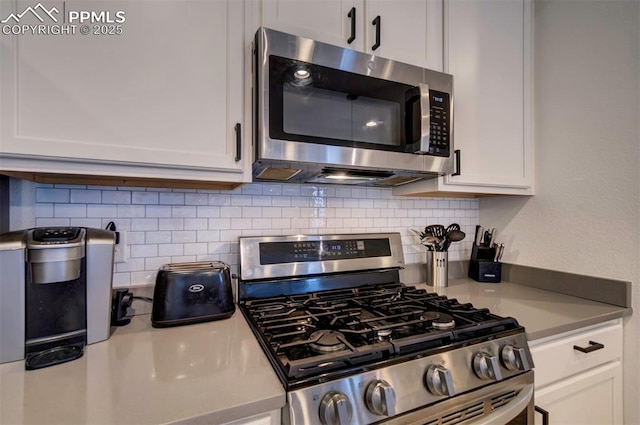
point(270, 418)
point(410, 31)
point(488, 53)
point(162, 89)
point(322, 20)
point(591, 398)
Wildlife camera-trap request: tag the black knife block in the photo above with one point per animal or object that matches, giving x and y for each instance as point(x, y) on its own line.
point(482, 267)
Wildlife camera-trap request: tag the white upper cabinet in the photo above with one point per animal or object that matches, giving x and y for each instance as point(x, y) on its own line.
point(329, 21)
point(160, 95)
point(410, 31)
point(405, 30)
point(488, 51)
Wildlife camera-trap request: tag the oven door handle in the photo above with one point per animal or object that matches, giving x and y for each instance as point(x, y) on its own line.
point(509, 411)
point(425, 119)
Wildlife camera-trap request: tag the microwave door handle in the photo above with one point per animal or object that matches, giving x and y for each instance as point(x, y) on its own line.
point(425, 119)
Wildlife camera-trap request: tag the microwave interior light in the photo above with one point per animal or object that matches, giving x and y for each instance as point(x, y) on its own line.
point(301, 74)
point(348, 177)
point(372, 123)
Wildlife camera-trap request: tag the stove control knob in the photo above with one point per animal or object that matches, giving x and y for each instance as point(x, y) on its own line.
point(335, 409)
point(381, 398)
point(439, 381)
point(514, 358)
point(487, 366)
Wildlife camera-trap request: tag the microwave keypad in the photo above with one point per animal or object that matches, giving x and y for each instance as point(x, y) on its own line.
point(440, 123)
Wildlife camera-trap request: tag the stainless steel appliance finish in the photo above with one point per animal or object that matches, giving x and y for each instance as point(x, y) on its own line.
point(251, 267)
point(353, 345)
point(56, 287)
point(403, 137)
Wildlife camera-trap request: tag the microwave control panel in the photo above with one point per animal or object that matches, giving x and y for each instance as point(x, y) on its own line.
point(440, 117)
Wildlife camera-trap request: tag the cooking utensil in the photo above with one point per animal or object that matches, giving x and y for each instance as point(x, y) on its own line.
point(428, 240)
point(452, 236)
point(437, 230)
point(431, 242)
point(453, 226)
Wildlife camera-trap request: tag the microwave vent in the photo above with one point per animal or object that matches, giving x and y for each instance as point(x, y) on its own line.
point(398, 180)
point(279, 174)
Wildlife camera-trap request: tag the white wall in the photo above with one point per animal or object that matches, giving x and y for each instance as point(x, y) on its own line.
point(585, 217)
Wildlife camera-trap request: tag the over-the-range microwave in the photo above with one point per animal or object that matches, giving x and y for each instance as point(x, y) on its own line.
point(326, 114)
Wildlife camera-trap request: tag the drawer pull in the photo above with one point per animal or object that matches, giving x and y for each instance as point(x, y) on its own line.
point(544, 413)
point(593, 346)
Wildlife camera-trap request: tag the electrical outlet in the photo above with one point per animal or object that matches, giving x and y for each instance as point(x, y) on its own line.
point(121, 249)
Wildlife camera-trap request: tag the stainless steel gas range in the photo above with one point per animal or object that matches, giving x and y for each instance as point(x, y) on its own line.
point(353, 345)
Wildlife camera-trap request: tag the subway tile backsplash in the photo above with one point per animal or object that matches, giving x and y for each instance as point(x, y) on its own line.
point(176, 225)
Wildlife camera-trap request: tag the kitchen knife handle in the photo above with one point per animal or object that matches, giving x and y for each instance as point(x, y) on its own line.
point(479, 235)
point(456, 155)
point(376, 23)
point(238, 129)
point(352, 16)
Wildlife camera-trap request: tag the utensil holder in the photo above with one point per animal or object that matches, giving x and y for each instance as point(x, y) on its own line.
point(437, 268)
point(482, 267)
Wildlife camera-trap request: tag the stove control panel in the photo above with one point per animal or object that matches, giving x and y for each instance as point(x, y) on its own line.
point(439, 381)
point(487, 367)
point(375, 395)
point(271, 257)
point(337, 249)
point(335, 409)
point(380, 398)
point(514, 358)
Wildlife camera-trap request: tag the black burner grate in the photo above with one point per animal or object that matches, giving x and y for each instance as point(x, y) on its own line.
point(339, 330)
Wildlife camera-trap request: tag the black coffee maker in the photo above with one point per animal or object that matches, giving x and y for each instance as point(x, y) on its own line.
point(55, 294)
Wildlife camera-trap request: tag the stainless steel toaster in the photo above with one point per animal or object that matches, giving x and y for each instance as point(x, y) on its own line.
point(188, 293)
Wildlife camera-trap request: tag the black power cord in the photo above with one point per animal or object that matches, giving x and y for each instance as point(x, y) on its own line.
point(112, 226)
point(121, 300)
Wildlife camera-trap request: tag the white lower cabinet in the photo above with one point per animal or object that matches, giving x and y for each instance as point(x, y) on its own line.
point(577, 387)
point(269, 418)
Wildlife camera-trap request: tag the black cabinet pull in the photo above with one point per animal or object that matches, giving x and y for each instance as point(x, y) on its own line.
point(593, 346)
point(376, 23)
point(544, 413)
point(352, 15)
point(456, 154)
point(238, 129)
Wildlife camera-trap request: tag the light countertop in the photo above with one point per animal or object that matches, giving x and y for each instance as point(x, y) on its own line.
point(211, 373)
point(216, 372)
point(542, 313)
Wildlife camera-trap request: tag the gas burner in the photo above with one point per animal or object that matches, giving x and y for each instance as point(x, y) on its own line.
point(443, 322)
point(327, 341)
point(384, 334)
point(430, 315)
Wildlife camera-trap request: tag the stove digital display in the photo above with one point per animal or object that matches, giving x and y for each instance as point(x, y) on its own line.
point(305, 251)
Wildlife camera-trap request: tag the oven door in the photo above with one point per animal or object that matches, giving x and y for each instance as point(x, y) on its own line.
point(505, 402)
